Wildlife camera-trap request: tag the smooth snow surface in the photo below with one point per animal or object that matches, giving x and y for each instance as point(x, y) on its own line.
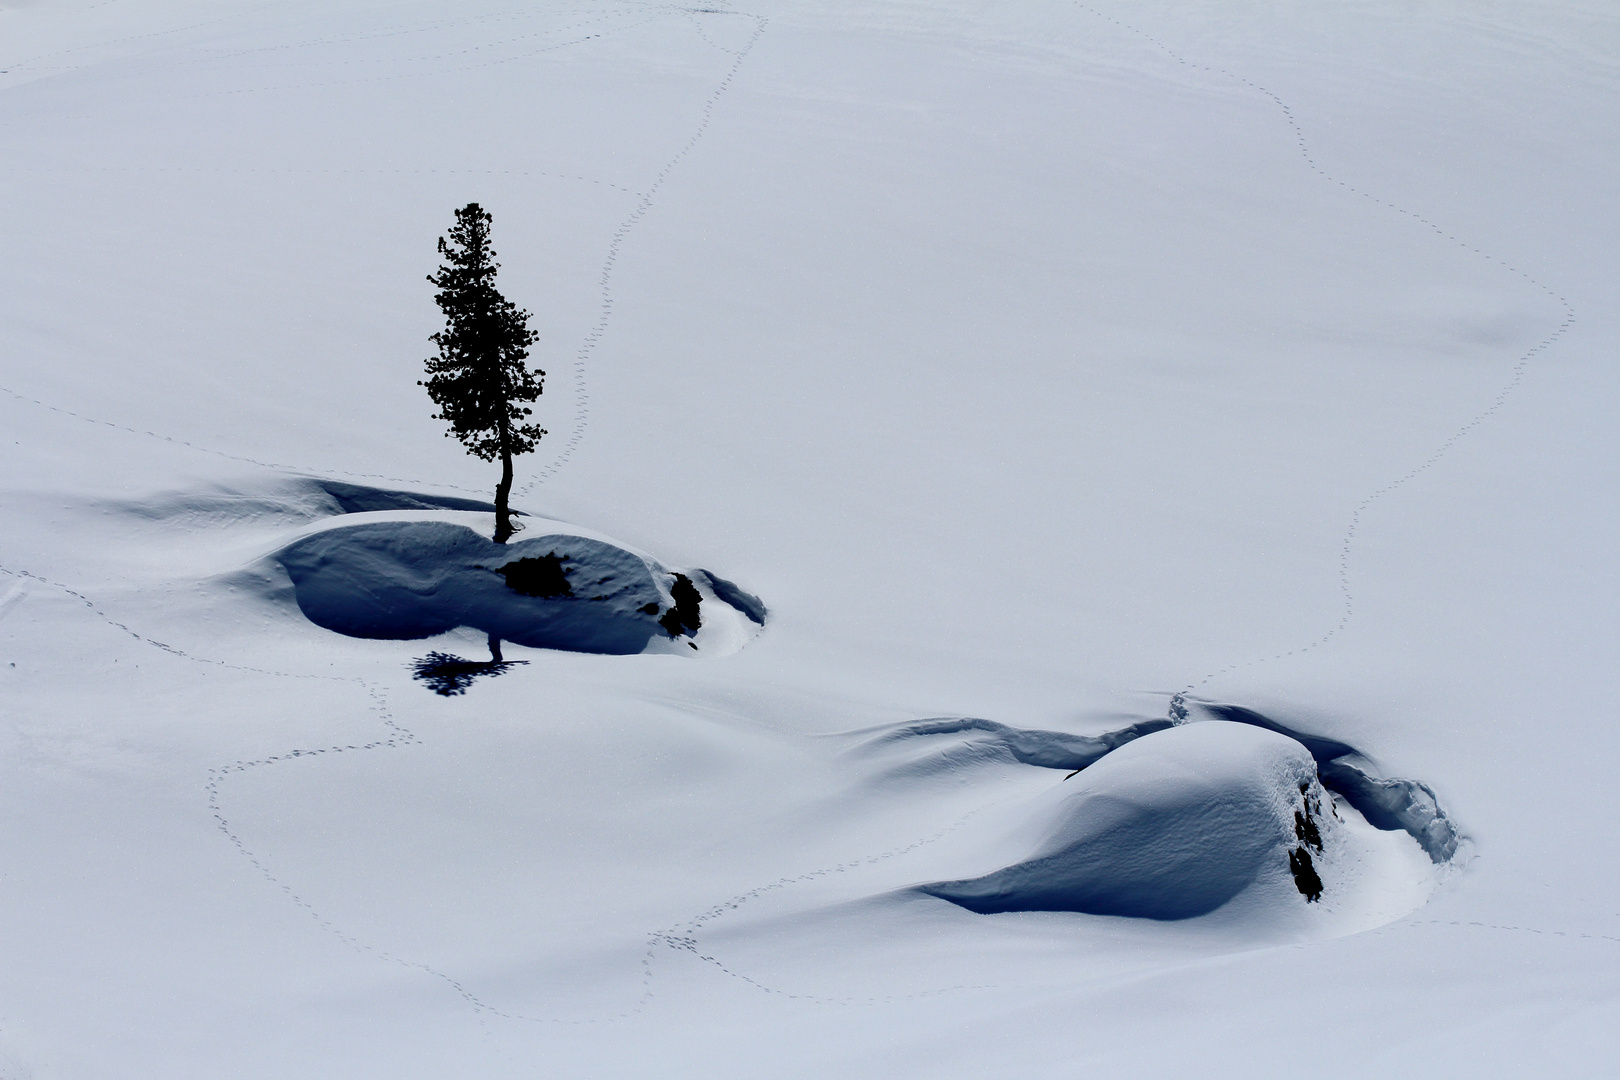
point(1091, 369)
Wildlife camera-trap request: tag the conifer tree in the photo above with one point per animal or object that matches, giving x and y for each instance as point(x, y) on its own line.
point(479, 380)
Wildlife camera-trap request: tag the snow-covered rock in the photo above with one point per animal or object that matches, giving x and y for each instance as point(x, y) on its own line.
point(417, 579)
point(1171, 826)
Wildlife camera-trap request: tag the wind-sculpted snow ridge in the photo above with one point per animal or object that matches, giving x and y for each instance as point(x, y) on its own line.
point(1387, 803)
point(303, 499)
point(1172, 825)
point(405, 580)
point(1172, 819)
point(361, 499)
point(1391, 805)
point(986, 740)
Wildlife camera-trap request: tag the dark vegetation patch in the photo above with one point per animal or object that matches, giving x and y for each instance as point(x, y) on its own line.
point(449, 675)
point(542, 576)
point(683, 617)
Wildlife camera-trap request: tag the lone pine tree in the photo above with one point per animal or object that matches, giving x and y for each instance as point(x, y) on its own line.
point(479, 380)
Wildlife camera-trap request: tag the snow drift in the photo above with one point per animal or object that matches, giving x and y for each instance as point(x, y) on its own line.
point(1171, 825)
point(979, 741)
point(417, 579)
point(1390, 804)
point(942, 744)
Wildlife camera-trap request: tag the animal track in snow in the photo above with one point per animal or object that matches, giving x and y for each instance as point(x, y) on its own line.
point(587, 349)
point(1518, 372)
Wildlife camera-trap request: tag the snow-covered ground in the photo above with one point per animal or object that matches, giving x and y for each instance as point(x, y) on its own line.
point(1033, 363)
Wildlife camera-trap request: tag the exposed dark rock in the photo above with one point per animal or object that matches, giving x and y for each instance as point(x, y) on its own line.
point(683, 617)
point(1305, 821)
point(1306, 878)
point(1307, 832)
point(1308, 881)
point(542, 576)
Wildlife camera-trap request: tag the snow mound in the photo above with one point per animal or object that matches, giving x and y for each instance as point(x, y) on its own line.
point(1389, 804)
point(1171, 825)
point(415, 579)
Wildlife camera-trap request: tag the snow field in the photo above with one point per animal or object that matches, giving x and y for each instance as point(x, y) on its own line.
point(1025, 362)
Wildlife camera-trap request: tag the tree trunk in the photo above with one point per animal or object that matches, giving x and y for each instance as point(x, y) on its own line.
point(495, 650)
point(503, 512)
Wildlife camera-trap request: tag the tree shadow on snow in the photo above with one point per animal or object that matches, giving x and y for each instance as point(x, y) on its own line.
point(449, 675)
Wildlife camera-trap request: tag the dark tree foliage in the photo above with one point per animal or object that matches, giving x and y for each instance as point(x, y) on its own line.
point(479, 380)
